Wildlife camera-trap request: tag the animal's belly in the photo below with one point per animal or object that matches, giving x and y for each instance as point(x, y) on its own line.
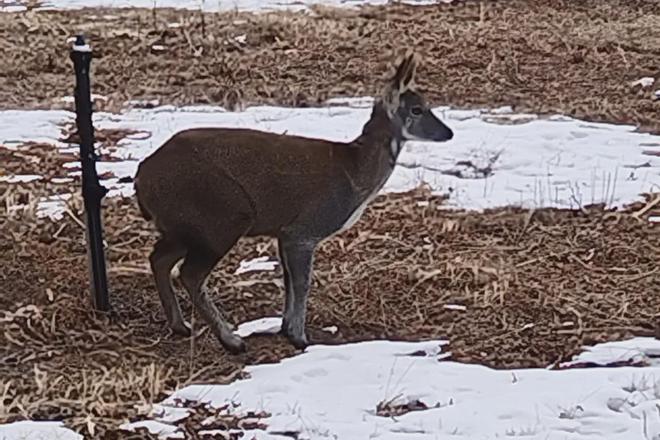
point(357, 213)
point(355, 216)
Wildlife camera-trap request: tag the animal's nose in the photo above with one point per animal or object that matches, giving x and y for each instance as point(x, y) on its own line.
point(447, 134)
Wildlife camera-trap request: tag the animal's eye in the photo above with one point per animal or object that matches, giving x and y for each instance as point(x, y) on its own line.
point(416, 111)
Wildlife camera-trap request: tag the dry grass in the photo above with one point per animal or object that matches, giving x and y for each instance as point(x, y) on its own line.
point(534, 286)
point(35, 158)
point(547, 56)
point(393, 408)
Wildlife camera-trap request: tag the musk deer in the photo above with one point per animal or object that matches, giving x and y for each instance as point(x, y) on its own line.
point(207, 187)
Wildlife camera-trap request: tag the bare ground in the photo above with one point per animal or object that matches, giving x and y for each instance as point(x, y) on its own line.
point(547, 56)
point(535, 285)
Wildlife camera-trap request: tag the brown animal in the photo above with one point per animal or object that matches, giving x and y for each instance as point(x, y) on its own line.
point(207, 187)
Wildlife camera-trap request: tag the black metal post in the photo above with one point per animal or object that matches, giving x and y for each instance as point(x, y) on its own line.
point(92, 191)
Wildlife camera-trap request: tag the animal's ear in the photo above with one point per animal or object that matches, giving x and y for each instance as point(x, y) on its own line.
point(403, 79)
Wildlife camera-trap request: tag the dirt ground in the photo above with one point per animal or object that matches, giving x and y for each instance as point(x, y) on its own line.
point(545, 56)
point(536, 285)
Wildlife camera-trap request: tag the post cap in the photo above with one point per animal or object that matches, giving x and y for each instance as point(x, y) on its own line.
point(80, 46)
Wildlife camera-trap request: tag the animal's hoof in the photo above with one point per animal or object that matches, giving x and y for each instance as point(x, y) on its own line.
point(181, 329)
point(300, 342)
point(233, 344)
point(295, 334)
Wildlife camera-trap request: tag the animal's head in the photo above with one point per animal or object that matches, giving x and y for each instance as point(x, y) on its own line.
point(406, 107)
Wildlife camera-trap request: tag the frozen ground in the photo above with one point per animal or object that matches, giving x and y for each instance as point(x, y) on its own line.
point(496, 158)
point(205, 5)
point(36, 431)
point(360, 391)
point(333, 392)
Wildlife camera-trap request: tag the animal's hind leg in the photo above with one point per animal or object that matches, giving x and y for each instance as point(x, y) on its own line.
point(196, 267)
point(165, 255)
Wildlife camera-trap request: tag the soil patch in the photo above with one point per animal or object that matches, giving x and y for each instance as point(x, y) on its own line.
point(548, 56)
point(508, 288)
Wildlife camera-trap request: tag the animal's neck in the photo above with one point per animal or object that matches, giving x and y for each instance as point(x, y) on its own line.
point(381, 140)
point(374, 152)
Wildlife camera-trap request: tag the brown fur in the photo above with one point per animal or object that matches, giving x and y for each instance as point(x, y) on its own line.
point(207, 187)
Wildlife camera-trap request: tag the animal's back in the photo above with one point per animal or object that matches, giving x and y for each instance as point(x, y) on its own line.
point(202, 173)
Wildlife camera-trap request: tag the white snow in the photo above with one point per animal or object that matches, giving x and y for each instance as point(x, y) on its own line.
point(20, 126)
point(457, 307)
point(81, 48)
point(333, 392)
point(160, 429)
point(496, 158)
point(205, 5)
point(332, 329)
point(258, 264)
point(646, 81)
point(266, 325)
point(72, 99)
point(24, 178)
point(148, 103)
point(29, 430)
point(634, 350)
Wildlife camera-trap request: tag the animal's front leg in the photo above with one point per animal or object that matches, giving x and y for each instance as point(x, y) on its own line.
point(298, 261)
point(288, 288)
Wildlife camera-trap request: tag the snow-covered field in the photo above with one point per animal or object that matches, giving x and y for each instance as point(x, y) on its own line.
point(496, 158)
point(350, 391)
point(205, 5)
point(27, 430)
point(344, 392)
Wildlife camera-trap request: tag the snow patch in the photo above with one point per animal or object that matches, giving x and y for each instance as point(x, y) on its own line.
point(647, 81)
point(24, 178)
point(332, 329)
point(37, 431)
point(532, 163)
point(268, 325)
point(455, 307)
point(72, 100)
point(205, 5)
point(256, 264)
point(335, 391)
point(81, 48)
point(634, 351)
point(162, 430)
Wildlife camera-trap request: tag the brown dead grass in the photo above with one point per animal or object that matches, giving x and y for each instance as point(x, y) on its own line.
point(535, 286)
point(35, 158)
point(577, 58)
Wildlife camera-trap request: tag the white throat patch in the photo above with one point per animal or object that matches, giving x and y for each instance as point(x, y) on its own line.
point(395, 148)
